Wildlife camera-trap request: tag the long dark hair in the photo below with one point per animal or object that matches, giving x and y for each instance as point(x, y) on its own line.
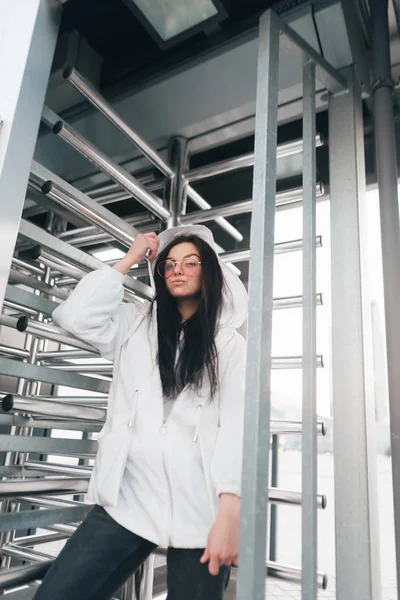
point(197, 354)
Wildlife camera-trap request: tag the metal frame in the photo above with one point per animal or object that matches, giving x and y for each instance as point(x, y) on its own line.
point(176, 187)
point(309, 388)
point(29, 34)
point(353, 440)
point(255, 478)
point(386, 162)
point(354, 445)
point(251, 582)
point(101, 104)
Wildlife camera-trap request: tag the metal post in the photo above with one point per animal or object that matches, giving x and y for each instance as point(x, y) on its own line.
point(356, 518)
point(273, 508)
point(146, 584)
point(309, 433)
point(176, 188)
point(28, 33)
point(256, 447)
point(386, 163)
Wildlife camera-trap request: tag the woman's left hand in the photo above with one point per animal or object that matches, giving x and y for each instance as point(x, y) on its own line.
point(223, 540)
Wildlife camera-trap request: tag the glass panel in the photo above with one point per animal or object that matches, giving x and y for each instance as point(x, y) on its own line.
point(172, 17)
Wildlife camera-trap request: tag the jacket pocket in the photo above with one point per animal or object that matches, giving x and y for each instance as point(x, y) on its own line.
point(109, 467)
point(110, 463)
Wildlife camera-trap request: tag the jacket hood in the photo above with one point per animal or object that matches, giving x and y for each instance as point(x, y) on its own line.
point(235, 300)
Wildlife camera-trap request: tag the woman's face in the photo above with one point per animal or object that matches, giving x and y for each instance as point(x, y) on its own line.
point(183, 273)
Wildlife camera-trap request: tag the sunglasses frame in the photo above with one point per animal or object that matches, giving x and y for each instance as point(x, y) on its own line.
point(175, 262)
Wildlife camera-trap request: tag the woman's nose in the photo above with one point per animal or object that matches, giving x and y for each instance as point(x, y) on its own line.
point(178, 268)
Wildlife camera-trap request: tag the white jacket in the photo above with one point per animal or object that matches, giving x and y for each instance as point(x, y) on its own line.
point(161, 481)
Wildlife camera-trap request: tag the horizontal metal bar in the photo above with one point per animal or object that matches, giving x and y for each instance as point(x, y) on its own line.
point(18, 309)
point(50, 502)
point(35, 406)
point(11, 420)
point(19, 576)
point(78, 368)
point(279, 427)
point(46, 467)
point(91, 94)
point(234, 256)
point(97, 100)
point(56, 446)
point(36, 284)
point(58, 265)
point(56, 485)
point(84, 206)
point(51, 332)
point(295, 45)
point(204, 205)
point(276, 570)
point(294, 245)
point(75, 256)
point(63, 355)
point(245, 160)
point(280, 496)
point(16, 352)
point(68, 282)
point(246, 206)
point(16, 368)
point(135, 221)
point(111, 169)
point(72, 202)
point(26, 266)
point(192, 194)
point(32, 519)
point(63, 528)
point(293, 302)
point(30, 300)
point(39, 538)
point(293, 362)
point(25, 553)
point(293, 574)
point(86, 400)
point(100, 237)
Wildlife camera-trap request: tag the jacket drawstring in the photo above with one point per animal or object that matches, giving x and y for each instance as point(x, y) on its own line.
point(196, 432)
point(134, 405)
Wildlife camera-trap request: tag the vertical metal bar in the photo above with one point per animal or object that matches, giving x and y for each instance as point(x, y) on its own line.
point(273, 526)
point(386, 162)
point(256, 446)
point(128, 590)
point(28, 33)
point(309, 428)
point(176, 187)
point(357, 542)
point(146, 585)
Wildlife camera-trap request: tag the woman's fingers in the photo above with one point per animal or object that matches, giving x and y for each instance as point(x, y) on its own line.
point(214, 565)
point(153, 244)
point(206, 556)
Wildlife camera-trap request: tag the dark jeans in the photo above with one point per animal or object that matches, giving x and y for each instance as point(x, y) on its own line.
point(101, 555)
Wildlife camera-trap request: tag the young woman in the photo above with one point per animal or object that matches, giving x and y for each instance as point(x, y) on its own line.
point(168, 467)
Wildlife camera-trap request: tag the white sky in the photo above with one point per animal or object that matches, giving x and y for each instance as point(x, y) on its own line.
point(287, 324)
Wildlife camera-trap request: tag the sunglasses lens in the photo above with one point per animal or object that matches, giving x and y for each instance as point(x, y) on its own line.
point(190, 267)
point(166, 268)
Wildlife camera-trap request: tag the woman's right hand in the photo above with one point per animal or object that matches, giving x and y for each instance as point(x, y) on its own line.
point(143, 244)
